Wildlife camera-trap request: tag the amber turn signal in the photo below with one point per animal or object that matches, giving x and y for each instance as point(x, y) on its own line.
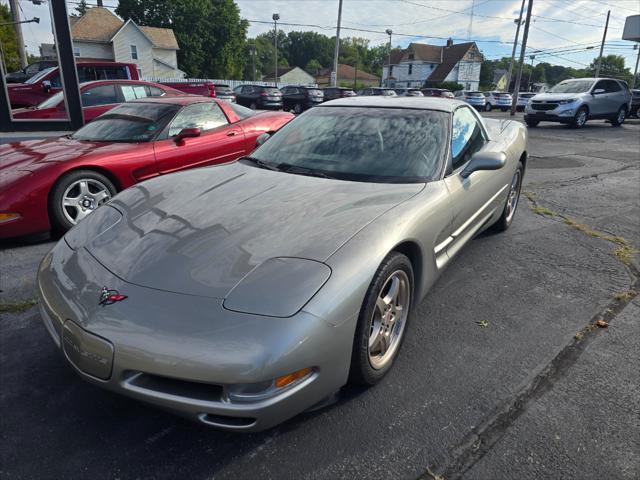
point(6, 217)
point(292, 377)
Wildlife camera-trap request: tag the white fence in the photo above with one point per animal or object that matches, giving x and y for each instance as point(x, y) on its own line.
point(231, 83)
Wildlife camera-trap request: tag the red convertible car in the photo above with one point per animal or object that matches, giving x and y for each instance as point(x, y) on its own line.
point(97, 98)
point(55, 183)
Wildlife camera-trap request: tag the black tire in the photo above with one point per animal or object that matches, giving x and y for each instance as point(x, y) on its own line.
point(297, 108)
point(253, 106)
point(506, 219)
point(620, 116)
point(487, 107)
point(532, 123)
point(361, 371)
point(59, 221)
point(577, 121)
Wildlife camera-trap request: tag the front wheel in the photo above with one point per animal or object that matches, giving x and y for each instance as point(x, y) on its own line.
point(532, 123)
point(383, 320)
point(619, 117)
point(77, 194)
point(487, 107)
point(509, 211)
point(580, 118)
point(297, 108)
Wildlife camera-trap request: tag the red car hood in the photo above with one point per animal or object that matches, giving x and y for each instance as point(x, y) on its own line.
point(34, 154)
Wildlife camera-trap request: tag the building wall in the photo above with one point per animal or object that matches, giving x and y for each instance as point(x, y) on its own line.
point(167, 56)
point(295, 76)
point(94, 50)
point(162, 71)
point(419, 73)
point(466, 74)
point(131, 35)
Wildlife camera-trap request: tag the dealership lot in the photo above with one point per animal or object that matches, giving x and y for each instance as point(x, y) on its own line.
point(501, 374)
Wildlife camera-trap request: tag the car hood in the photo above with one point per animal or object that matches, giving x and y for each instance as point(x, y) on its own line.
point(553, 97)
point(32, 155)
point(201, 231)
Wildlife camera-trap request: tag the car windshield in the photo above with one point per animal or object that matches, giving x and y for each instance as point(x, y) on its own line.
point(38, 76)
point(573, 86)
point(242, 112)
point(51, 102)
point(129, 122)
point(384, 145)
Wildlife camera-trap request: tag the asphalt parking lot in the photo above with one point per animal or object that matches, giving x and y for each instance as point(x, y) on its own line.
point(503, 373)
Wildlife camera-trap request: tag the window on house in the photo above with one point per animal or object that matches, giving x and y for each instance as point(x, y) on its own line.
point(411, 56)
point(410, 68)
point(134, 52)
point(76, 51)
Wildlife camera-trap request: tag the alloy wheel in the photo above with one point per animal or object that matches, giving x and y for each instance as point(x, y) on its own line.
point(389, 319)
point(621, 115)
point(514, 196)
point(581, 118)
point(82, 197)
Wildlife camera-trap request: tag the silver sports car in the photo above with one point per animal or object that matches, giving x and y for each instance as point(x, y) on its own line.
point(240, 295)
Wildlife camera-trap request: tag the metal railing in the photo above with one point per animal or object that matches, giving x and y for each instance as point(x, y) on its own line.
point(231, 83)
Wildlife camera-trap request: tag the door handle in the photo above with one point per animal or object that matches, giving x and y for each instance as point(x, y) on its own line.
point(232, 133)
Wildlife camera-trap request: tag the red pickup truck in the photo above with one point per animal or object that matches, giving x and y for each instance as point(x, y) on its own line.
point(46, 83)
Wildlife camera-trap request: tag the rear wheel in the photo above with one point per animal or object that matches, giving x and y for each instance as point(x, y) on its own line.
point(77, 194)
point(253, 106)
point(580, 118)
point(297, 108)
point(487, 107)
point(620, 117)
point(513, 199)
point(383, 320)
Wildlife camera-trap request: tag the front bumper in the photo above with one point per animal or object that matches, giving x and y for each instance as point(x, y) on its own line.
point(182, 353)
point(563, 113)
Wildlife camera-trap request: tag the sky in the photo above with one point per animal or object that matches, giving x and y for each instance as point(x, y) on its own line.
point(561, 29)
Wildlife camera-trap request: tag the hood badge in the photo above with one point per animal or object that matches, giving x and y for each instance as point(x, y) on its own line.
point(108, 297)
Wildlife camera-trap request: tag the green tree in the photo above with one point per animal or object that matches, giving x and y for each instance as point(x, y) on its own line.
point(8, 42)
point(302, 47)
point(487, 72)
point(611, 66)
point(82, 7)
point(313, 66)
point(211, 34)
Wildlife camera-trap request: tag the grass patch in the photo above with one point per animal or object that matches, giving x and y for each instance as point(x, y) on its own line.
point(17, 307)
point(581, 227)
point(625, 296)
point(625, 253)
point(531, 196)
point(544, 211)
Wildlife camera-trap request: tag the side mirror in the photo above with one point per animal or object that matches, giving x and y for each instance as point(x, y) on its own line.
point(598, 91)
point(46, 86)
point(187, 133)
point(262, 138)
point(484, 161)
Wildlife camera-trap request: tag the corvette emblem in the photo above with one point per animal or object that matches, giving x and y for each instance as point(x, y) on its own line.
point(107, 297)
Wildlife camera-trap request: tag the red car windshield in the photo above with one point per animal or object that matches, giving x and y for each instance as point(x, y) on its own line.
point(129, 122)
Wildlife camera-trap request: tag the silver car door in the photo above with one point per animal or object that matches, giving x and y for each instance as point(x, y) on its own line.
point(476, 198)
point(599, 101)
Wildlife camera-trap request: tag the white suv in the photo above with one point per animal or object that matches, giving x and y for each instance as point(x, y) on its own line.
point(580, 99)
point(499, 100)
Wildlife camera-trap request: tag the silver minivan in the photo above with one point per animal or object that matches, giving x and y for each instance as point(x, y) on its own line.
point(577, 100)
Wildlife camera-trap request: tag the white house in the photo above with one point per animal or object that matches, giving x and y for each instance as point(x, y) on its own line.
point(291, 76)
point(420, 63)
point(101, 35)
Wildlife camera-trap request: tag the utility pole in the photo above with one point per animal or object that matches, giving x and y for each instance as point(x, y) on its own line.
point(515, 44)
point(525, 36)
point(275, 18)
point(532, 57)
point(252, 52)
point(604, 37)
point(389, 32)
point(473, 6)
point(635, 72)
point(15, 13)
point(334, 74)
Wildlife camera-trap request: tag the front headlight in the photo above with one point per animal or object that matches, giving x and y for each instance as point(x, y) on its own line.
point(565, 102)
point(278, 287)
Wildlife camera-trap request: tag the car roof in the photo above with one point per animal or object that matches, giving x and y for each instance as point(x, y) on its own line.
point(422, 103)
point(120, 80)
point(174, 99)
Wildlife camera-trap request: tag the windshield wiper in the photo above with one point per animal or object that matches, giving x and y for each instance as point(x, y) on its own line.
point(261, 164)
point(296, 169)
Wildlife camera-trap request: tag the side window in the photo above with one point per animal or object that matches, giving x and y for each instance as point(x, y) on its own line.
point(100, 95)
point(155, 92)
point(111, 73)
point(600, 84)
point(205, 116)
point(611, 86)
point(128, 92)
point(466, 136)
point(55, 81)
point(32, 69)
point(86, 74)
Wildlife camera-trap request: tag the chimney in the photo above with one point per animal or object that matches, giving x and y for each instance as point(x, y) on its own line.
point(449, 42)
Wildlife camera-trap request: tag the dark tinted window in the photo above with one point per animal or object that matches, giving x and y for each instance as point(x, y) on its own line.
point(466, 136)
point(155, 92)
point(129, 122)
point(32, 69)
point(611, 86)
point(205, 116)
point(86, 74)
point(271, 90)
point(361, 144)
point(100, 95)
point(111, 73)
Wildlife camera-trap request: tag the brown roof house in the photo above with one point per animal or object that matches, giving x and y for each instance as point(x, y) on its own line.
point(346, 76)
point(420, 63)
point(101, 35)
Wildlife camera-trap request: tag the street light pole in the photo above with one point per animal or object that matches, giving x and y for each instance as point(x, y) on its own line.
point(525, 36)
point(532, 57)
point(604, 37)
point(17, 24)
point(275, 18)
point(389, 32)
point(334, 79)
point(515, 44)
